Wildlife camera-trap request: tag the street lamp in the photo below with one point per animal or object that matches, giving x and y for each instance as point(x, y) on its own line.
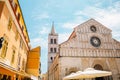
point(1, 40)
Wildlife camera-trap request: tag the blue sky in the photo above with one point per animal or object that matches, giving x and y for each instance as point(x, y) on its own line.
point(66, 14)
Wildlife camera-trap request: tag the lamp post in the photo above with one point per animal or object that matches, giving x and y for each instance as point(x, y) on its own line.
point(1, 40)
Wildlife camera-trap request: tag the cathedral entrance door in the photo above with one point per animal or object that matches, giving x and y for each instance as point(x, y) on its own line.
point(99, 67)
point(100, 78)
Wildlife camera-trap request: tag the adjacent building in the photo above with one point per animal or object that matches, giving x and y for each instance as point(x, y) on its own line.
point(53, 71)
point(14, 43)
point(33, 63)
point(89, 45)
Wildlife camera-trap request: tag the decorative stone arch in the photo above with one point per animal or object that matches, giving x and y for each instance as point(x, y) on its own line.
point(100, 65)
point(70, 70)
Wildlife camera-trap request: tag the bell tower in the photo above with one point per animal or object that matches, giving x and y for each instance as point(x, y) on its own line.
point(52, 45)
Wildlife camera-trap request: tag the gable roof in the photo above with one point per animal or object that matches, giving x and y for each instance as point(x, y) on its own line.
point(73, 34)
point(91, 21)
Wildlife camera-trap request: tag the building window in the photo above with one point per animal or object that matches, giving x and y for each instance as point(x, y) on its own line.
point(21, 43)
point(23, 64)
point(9, 23)
point(11, 1)
point(51, 58)
point(16, 35)
point(22, 28)
point(13, 57)
point(19, 59)
point(54, 41)
point(4, 49)
point(18, 16)
point(51, 49)
point(55, 50)
point(51, 41)
point(15, 7)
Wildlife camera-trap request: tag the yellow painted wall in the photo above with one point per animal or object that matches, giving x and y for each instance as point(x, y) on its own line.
point(22, 23)
point(10, 35)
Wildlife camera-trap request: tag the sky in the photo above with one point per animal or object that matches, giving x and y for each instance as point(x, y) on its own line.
point(66, 14)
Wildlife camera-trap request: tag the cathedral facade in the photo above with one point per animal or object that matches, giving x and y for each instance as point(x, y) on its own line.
point(89, 45)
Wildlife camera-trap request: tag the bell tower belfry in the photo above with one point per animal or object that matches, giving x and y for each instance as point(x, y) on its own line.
point(52, 45)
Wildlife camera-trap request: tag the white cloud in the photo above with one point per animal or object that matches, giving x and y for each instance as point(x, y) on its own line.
point(108, 16)
point(41, 16)
point(69, 25)
point(63, 37)
point(72, 24)
point(44, 15)
point(39, 41)
point(44, 30)
point(40, 38)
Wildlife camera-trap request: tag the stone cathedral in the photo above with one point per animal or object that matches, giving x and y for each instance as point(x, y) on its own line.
point(89, 45)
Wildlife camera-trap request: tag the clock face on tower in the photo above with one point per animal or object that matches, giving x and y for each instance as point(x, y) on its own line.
point(95, 41)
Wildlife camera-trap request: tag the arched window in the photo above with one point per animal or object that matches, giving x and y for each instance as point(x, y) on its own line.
point(55, 41)
point(98, 67)
point(51, 49)
point(51, 58)
point(51, 41)
point(55, 50)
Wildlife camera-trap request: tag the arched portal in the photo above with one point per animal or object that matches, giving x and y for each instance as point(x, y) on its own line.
point(99, 67)
point(70, 70)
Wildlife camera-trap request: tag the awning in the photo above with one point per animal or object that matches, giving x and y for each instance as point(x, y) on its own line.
point(88, 73)
point(12, 70)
